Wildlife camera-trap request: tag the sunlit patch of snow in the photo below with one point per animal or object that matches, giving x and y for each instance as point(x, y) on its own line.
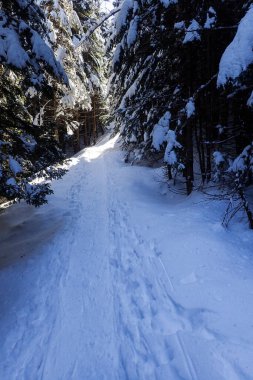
point(93, 153)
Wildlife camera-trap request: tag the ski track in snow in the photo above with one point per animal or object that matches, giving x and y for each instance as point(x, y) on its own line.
point(100, 295)
point(149, 320)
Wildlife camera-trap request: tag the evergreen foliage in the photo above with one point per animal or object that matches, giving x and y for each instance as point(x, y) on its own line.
point(169, 102)
point(181, 89)
point(28, 65)
point(45, 81)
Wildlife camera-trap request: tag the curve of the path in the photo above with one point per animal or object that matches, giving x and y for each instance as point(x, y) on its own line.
point(112, 280)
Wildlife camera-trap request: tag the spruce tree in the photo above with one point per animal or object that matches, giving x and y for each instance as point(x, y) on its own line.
point(48, 83)
point(28, 65)
point(165, 67)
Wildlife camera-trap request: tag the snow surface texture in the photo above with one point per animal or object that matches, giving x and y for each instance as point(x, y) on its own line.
point(239, 54)
point(117, 279)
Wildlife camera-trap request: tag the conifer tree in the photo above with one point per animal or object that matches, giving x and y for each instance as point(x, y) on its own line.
point(165, 67)
point(168, 58)
point(28, 65)
point(53, 82)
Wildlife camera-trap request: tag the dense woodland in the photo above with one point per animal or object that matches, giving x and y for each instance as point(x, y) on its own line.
point(51, 91)
point(182, 92)
point(179, 76)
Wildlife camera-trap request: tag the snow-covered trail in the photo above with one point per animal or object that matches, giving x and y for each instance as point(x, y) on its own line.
point(84, 328)
point(114, 279)
point(70, 314)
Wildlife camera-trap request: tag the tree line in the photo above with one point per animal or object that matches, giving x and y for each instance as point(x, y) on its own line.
point(182, 91)
point(51, 90)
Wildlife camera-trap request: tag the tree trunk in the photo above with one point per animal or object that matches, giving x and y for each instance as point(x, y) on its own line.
point(189, 158)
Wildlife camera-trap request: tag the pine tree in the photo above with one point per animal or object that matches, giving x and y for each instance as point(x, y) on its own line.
point(235, 153)
point(28, 65)
point(55, 83)
point(166, 61)
point(68, 21)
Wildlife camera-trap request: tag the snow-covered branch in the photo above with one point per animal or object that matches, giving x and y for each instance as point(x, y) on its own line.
point(205, 85)
point(87, 35)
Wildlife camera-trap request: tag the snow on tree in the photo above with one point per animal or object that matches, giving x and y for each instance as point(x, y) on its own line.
point(167, 58)
point(68, 21)
point(235, 80)
point(45, 81)
point(158, 70)
point(239, 53)
point(27, 150)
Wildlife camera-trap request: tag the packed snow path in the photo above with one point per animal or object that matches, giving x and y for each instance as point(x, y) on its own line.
point(115, 279)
